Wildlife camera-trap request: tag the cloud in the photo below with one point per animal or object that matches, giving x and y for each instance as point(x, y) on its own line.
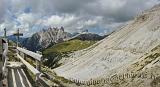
point(29, 19)
point(3, 9)
point(56, 20)
point(75, 15)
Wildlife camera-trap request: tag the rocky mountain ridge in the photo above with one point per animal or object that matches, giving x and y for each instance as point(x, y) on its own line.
point(45, 38)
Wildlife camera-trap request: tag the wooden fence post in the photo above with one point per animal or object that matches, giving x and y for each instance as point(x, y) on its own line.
point(24, 55)
point(38, 67)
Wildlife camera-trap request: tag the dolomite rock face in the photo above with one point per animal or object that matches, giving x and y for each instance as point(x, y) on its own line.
point(118, 51)
point(45, 38)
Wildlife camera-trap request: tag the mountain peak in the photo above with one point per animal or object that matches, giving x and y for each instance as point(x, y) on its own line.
point(45, 38)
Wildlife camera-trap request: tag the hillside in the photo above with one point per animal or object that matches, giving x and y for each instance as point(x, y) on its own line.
point(86, 36)
point(56, 52)
point(119, 52)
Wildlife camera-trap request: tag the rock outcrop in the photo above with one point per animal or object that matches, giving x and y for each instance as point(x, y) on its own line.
point(45, 38)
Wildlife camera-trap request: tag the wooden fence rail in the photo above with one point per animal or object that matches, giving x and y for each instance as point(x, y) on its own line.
point(21, 54)
point(4, 55)
point(30, 67)
point(34, 55)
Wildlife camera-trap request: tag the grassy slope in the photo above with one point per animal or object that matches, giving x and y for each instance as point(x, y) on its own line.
point(62, 49)
point(69, 46)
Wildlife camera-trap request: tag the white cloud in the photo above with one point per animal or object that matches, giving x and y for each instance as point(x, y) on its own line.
point(91, 22)
point(56, 21)
point(74, 15)
point(29, 19)
point(2, 10)
point(109, 4)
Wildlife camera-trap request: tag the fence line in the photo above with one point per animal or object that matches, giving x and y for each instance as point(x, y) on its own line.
point(4, 56)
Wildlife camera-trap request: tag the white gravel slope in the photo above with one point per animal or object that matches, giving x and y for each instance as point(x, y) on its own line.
point(117, 50)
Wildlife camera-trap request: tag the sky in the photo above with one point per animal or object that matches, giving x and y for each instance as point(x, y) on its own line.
point(98, 16)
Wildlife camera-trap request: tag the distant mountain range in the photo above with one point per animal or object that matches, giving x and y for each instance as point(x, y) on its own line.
point(51, 36)
point(14, 38)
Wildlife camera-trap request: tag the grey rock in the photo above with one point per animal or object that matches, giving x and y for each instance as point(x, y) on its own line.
point(45, 38)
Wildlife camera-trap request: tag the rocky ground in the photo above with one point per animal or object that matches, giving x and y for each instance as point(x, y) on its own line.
point(132, 49)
